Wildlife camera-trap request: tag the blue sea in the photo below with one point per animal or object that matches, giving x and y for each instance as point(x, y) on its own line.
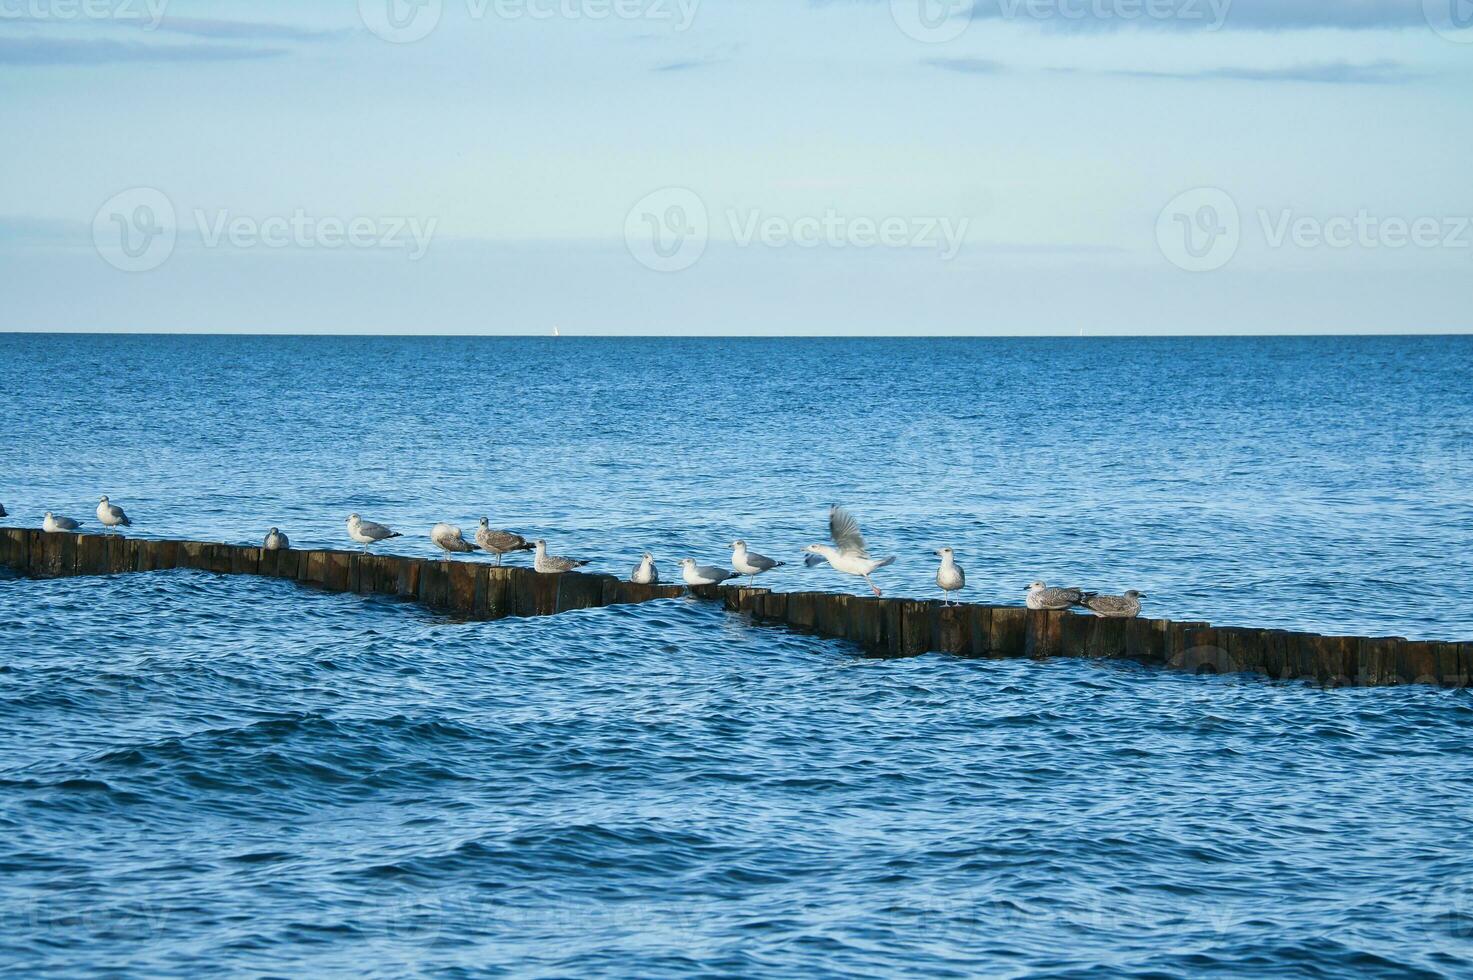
point(203, 775)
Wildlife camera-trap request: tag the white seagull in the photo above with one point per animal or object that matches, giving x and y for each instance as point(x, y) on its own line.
point(646, 573)
point(111, 515)
point(1126, 606)
point(276, 541)
point(703, 574)
point(950, 576)
point(552, 564)
point(54, 524)
point(449, 539)
point(499, 543)
point(1040, 596)
point(749, 563)
point(367, 532)
point(848, 553)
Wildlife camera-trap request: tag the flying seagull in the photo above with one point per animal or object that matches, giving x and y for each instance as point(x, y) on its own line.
point(848, 553)
point(950, 576)
point(367, 532)
point(749, 563)
point(552, 564)
point(1040, 596)
point(499, 543)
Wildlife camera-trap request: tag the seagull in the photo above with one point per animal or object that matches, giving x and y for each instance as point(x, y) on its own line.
point(2, 511)
point(111, 515)
point(950, 576)
point(367, 532)
point(276, 541)
point(850, 556)
point(1126, 606)
point(749, 563)
point(703, 574)
point(646, 573)
point(449, 538)
point(499, 543)
point(551, 564)
point(1040, 596)
point(55, 524)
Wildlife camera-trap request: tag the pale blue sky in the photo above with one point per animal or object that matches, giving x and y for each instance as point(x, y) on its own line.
point(1027, 163)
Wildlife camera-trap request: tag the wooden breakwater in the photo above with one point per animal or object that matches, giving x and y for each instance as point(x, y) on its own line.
point(473, 590)
point(894, 627)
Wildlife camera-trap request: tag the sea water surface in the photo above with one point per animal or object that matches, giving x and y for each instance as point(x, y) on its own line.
point(216, 775)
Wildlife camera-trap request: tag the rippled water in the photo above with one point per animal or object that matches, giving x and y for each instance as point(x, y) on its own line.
point(1313, 483)
point(201, 774)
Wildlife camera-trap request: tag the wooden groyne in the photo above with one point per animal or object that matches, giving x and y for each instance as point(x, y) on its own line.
point(473, 590)
point(892, 627)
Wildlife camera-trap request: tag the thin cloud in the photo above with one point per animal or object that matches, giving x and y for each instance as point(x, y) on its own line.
point(969, 66)
point(1094, 16)
point(1332, 73)
point(36, 52)
point(239, 30)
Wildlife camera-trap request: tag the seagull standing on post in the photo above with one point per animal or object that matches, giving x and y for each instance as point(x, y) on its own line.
point(1040, 596)
point(1126, 606)
point(848, 553)
point(367, 532)
point(749, 563)
point(449, 539)
point(111, 515)
point(53, 524)
point(950, 576)
point(276, 541)
point(703, 574)
point(499, 543)
point(646, 573)
point(552, 564)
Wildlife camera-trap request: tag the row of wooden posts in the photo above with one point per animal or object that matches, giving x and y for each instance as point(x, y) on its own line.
point(883, 627)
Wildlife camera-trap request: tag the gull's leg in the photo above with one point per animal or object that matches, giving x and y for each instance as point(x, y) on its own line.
point(873, 587)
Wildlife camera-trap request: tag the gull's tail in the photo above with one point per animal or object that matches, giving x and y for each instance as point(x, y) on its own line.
point(885, 561)
point(394, 534)
point(1085, 597)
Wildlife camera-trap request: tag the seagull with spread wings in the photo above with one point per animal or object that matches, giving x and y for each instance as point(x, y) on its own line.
point(848, 553)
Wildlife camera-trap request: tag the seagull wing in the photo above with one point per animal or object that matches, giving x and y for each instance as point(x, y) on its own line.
point(844, 529)
point(371, 530)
